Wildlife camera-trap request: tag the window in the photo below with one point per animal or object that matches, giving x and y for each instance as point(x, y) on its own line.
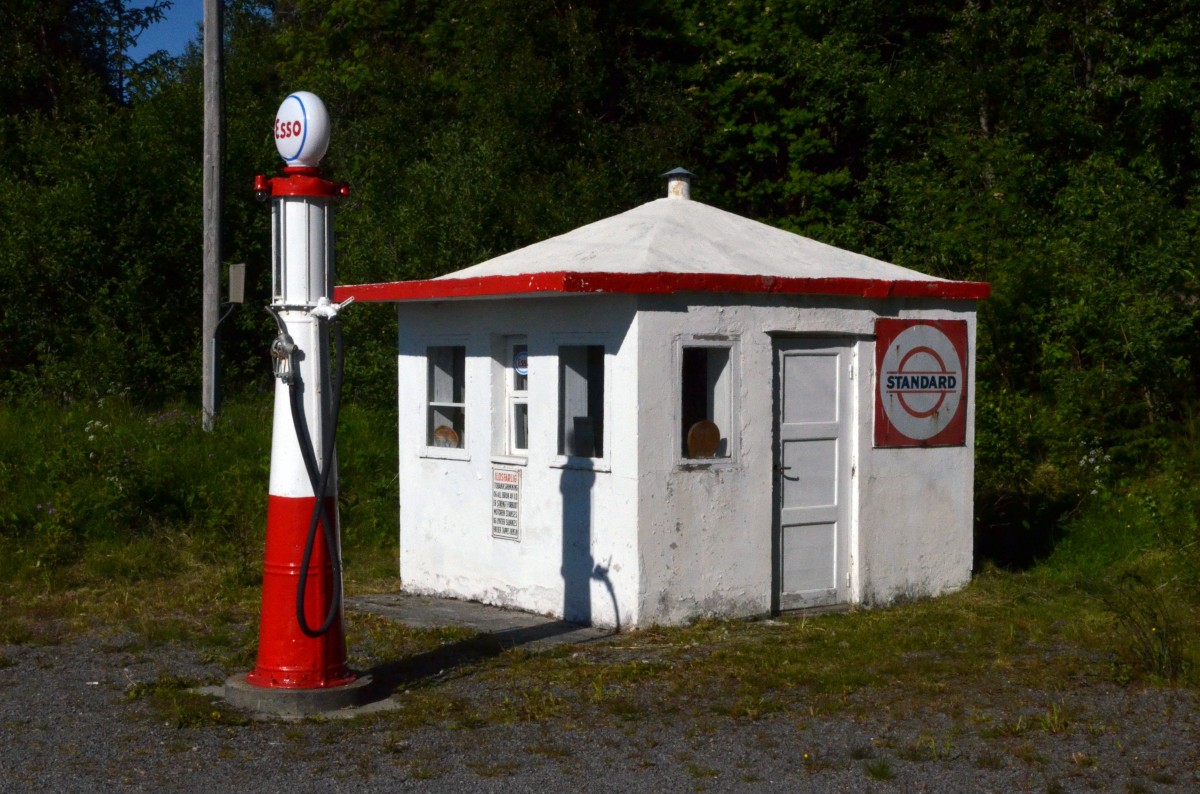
point(581, 401)
point(517, 395)
point(447, 408)
point(706, 395)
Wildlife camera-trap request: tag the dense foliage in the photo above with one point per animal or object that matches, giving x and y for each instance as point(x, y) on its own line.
point(1047, 148)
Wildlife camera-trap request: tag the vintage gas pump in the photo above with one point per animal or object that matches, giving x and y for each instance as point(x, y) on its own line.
point(301, 666)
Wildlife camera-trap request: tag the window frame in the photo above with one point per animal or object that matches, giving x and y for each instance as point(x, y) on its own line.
point(731, 408)
point(563, 459)
point(516, 395)
point(428, 449)
point(503, 399)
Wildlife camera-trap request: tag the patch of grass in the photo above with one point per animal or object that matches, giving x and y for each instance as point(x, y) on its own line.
point(1009, 729)
point(1153, 629)
point(429, 706)
point(862, 752)
point(1138, 551)
point(468, 720)
point(377, 640)
point(927, 748)
point(175, 704)
point(495, 768)
point(989, 760)
point(425, 769)
point(1004, 630)
point(624, 708)
point(701, 771)
point(1163, 777)
point(1054, 720)
point(550, 749)
point(532, 705)
point(1026, 752)
point(751, 707)
point(879, 770)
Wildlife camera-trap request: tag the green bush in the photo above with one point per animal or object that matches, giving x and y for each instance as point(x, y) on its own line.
point(1138, 549)
point(126, 491)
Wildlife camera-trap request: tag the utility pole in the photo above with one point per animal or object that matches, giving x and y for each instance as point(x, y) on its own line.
point(213, 78)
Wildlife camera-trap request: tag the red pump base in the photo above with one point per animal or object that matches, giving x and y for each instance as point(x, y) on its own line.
point(286, 656)
point(297, 674)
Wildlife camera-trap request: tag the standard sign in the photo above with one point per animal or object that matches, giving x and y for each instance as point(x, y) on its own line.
point(921, 389)
point(506, 503)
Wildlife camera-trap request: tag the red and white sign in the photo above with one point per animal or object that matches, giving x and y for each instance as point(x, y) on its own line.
point(302, 129)
point(506, 504)
point(921, 383)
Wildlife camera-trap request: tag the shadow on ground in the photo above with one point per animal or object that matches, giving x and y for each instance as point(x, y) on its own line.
point(499, 630)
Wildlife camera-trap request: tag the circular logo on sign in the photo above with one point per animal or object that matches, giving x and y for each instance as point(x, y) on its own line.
point(302, 129)
point(921, 382)
point(521, 363)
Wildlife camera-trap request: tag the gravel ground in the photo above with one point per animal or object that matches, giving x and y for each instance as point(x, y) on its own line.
point(69, 725)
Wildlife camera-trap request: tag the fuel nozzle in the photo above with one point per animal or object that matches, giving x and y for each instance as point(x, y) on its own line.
point(281, 357)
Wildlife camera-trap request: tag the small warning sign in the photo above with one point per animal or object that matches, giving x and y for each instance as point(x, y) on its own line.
point(506, 504)
point(921, 389)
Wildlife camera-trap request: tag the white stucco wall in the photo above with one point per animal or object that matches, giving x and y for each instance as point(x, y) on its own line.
point(916, 511)
point(706, 532)
point(446, 542)
point(661, 540)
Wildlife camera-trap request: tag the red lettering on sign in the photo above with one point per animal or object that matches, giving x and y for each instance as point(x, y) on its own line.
point(288, 129)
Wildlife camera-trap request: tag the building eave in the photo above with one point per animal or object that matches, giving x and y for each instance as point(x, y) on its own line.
point(566, 282)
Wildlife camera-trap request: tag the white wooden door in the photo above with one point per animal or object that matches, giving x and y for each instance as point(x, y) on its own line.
point(812, 472)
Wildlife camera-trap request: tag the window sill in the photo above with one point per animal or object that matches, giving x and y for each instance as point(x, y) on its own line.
point(702, 464)
point(445, 453)
point(585, 464)
point(510, 460)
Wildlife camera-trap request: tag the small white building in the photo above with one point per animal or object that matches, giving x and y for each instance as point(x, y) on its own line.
point(678, 412)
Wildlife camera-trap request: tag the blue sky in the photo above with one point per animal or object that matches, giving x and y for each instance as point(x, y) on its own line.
point(179, 26)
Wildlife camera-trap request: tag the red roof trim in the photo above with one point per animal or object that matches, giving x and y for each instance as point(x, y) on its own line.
point(656, 284)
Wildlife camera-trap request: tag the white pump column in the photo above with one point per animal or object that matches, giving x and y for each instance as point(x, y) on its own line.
point(302, 229)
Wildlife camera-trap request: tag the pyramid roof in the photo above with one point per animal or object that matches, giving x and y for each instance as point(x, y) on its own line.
point(674, 245)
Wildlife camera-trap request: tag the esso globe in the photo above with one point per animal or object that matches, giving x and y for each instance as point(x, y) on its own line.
point(302, 129)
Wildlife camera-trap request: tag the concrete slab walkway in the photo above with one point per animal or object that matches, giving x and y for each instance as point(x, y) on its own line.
point(508, 627)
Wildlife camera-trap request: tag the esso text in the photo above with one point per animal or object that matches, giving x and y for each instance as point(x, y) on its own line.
point(288, 129)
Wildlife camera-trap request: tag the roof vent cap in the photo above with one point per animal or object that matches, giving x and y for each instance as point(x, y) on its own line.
point(679, 183)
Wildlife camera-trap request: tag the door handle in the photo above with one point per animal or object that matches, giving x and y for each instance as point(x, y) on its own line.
point(782, 469)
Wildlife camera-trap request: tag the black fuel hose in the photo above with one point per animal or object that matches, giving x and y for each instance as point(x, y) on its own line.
point(319, 480)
